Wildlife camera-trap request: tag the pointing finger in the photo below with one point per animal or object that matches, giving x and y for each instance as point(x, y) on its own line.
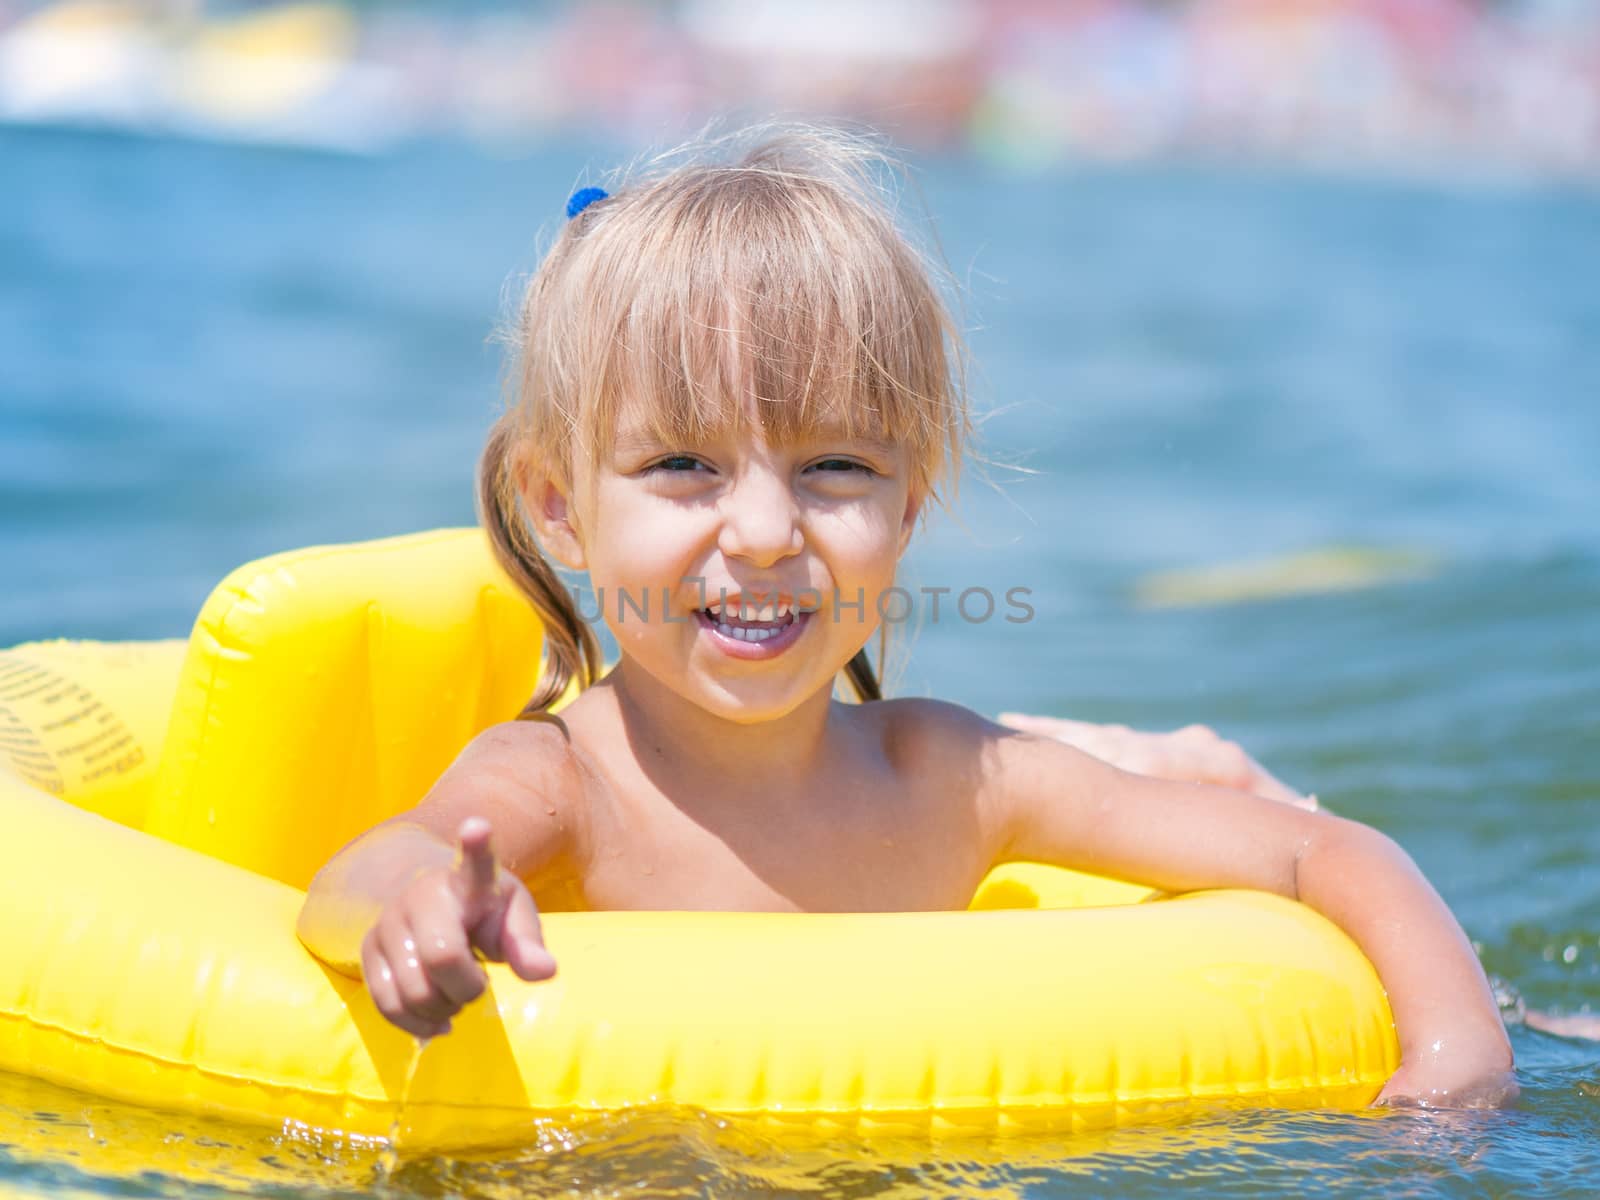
point(475, 865)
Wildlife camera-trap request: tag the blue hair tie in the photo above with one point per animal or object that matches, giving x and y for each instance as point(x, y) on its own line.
point(582, 198)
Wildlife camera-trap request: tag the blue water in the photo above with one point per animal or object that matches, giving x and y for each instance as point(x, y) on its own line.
point(209, 353)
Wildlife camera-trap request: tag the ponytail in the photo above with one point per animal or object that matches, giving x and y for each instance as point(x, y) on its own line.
point(571, 650)
point(860, 674)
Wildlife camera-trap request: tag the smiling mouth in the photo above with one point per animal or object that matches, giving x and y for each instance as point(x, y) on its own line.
point(747, 631)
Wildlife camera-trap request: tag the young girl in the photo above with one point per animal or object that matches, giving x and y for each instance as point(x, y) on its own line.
point(738, 388)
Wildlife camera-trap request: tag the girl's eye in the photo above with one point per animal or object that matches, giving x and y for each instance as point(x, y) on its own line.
point(842, 465)
point(675, 464)
point(686, 464)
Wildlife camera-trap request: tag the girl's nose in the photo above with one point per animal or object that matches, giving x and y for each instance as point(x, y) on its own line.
point(760, 519)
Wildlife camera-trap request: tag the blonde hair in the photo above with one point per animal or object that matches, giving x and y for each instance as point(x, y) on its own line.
point(766, 259)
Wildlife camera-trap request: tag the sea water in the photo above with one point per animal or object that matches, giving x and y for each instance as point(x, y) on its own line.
point(1308, 459)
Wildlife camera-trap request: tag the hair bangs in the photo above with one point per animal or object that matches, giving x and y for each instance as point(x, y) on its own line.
point(725, 297)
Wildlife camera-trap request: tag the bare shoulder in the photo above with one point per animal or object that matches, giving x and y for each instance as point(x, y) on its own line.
point(946, 737)
point(527, 755)
point(528, 780)
point(969, 765)
point(918, 728)
point(1008, 773)
point(941, 748)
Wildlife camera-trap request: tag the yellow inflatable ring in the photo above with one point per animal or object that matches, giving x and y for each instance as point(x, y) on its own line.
point(164, 805)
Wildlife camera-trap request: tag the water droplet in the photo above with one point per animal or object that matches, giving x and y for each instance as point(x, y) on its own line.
point(211, 816)
point(1570, 954)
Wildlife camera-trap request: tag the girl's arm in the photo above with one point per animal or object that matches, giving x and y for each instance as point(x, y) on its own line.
point(405, 905)
point(1046, 802)
point(1193, 754)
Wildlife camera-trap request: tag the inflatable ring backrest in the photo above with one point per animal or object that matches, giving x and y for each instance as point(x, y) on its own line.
point(326, 689)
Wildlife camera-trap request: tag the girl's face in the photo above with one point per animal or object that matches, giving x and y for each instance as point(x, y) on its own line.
point(803, 537)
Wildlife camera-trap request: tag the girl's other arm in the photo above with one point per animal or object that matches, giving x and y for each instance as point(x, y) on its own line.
point(405, 905)
point(1193, 754)
point(1051, 803)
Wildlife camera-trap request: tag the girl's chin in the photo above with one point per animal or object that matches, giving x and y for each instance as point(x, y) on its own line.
point(753, 702)
point(753, 710)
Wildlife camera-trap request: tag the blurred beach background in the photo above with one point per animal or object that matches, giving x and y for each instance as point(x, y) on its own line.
point(1466, 86)
point(1285, 319)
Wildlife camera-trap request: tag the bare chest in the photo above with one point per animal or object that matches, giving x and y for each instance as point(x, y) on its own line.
point(884, 847)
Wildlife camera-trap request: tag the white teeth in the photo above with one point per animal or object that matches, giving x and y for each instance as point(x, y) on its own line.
point(767, 612)
point(742, 634)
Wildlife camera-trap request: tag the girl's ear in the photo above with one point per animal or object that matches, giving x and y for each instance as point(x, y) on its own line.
point(550, 510)
point(908, 523)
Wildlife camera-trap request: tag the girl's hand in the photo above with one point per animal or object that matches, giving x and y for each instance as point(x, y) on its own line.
point(1459, 1073)
point(418, 959)
point(1194, 754)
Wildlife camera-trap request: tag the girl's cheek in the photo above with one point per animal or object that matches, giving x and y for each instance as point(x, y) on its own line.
point(637, 535)
point(871, 546)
